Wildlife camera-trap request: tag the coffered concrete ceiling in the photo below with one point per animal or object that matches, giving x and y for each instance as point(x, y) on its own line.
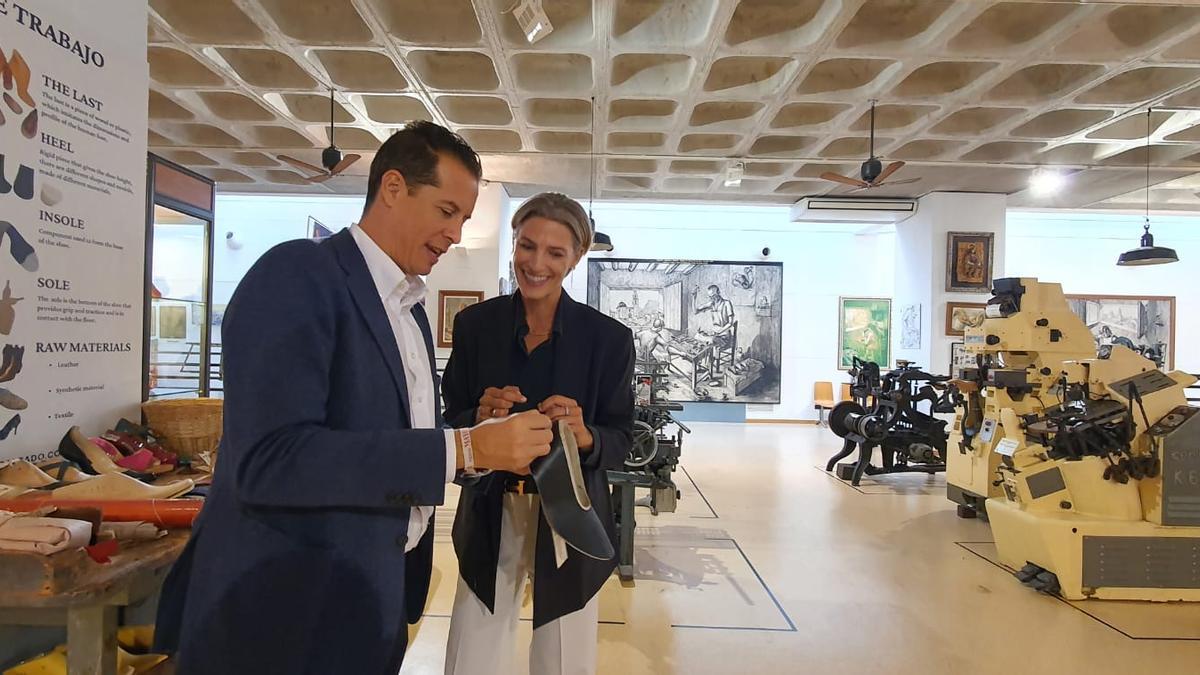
point(974, 94)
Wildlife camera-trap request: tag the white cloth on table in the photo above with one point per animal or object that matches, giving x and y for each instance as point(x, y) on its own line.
point(46, 536)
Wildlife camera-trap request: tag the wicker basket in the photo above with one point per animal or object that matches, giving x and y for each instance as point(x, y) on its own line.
point(188, 426)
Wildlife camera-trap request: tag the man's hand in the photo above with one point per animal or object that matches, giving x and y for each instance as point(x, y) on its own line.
point(559, 407)
point(511, 444)
point(497, 402)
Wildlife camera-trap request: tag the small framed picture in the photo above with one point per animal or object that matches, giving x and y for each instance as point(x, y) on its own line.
point(450, 303)
point(963, 315)
point(317, 230)
point(960, 358)
point(969, 262)
point(643, 388)
point(865, 331)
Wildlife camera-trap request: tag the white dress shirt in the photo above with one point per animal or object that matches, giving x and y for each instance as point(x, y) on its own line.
point(400, 293)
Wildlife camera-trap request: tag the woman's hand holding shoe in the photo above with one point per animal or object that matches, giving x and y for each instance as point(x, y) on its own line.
point(559, 407)
point(497, 402)
point(511, 444)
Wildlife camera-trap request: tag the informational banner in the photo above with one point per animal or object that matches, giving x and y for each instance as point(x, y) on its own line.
point(72, 218)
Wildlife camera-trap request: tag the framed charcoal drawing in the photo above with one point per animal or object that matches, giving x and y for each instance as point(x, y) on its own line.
point(708, 330)
point(1144, 323)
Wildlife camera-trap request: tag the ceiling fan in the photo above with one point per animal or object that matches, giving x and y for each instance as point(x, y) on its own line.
point(331, 158)
point(873, 173)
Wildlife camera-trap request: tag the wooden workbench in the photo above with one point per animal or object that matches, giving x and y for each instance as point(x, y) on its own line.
point(70, 589)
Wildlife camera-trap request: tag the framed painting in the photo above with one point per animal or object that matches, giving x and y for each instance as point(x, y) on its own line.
point(963, 315)
point(969, 262)
point(865, 331)
point(172, 322)
point(1144, 323)
point(910, 327)
point(959, 359)
point(709, 330)
point(317, 230)
point(450, 303)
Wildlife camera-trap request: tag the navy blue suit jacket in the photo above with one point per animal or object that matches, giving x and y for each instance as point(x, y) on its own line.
point(297, 562)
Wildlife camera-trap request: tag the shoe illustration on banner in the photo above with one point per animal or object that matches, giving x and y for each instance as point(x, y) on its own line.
point(50, 194)
point(29, 126)
point(11, 366)
point(12, 401)
point(11, 427)
point(17, 72)
point(22, 185)
point(20, 249)
point(8, 310)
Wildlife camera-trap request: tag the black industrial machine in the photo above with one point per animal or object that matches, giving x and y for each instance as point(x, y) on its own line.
point(895, 412)
point(657, 444)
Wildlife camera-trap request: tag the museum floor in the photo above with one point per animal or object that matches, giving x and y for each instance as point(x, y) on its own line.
point(770, 565)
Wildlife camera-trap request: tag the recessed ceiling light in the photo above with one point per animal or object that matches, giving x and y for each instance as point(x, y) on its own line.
point(1046, 182)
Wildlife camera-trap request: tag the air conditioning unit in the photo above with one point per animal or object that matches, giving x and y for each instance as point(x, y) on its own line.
point(852, 210)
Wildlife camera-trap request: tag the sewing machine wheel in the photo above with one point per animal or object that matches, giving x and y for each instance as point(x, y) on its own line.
point(837, 417)
point(645, 445)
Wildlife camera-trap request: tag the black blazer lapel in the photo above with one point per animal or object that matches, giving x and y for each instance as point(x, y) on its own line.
point(366, 298)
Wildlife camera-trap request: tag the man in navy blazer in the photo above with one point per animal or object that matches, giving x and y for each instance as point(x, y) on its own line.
point(314, 549)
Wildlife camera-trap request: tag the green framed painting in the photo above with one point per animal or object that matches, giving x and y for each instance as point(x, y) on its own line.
point(865, 331)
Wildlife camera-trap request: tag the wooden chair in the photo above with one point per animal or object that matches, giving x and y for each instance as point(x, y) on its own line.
point(724, 356)
point(822, 400)
point(846, 392)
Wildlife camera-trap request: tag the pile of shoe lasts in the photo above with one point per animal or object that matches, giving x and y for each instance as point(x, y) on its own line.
point(133, 655)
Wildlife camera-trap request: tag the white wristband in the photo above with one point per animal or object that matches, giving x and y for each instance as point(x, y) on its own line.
point(468, 451)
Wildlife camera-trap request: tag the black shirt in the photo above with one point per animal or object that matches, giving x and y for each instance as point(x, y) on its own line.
point(532, 372)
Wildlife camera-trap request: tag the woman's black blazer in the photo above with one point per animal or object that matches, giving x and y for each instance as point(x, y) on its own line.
point(593, 359)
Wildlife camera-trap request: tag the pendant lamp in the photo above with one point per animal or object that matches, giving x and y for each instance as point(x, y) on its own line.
point(1147, 253)
point(600, 241)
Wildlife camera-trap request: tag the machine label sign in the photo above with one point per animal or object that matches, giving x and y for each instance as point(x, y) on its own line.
point(1007, 447)
point(1180, 447)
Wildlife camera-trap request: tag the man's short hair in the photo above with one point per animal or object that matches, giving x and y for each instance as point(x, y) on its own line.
point(714, 287)
point(414, 150)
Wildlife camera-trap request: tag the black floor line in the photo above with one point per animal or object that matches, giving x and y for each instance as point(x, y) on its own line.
point(1093, 617)
point(701, 493)
point(782, 612)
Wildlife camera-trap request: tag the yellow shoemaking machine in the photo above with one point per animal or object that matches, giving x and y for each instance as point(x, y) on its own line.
point(1102, 491)
point(1099, 489)
point(1027, 334)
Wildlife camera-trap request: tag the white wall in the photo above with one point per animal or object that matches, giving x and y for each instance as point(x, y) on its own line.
point(920, 250)
point(475, 264)
point(259, 222)
point(1079, 250)
point(820, 263)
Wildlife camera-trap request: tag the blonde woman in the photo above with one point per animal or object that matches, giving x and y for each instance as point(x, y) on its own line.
point(535, 349)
